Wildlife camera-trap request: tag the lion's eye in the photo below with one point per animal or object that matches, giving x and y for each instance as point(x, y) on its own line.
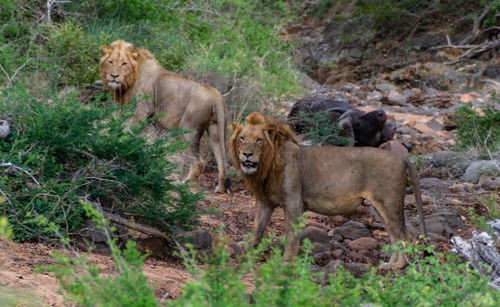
point(242, 138)
point(258, 140)
point(111, 62)
point(123, 64)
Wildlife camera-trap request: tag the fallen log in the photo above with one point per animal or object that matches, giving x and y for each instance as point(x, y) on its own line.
point(482, 254)
point(147, 230)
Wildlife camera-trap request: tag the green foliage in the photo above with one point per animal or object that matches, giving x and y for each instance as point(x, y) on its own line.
point(5, 229)
point(231, 45)
point(72, 55)
point(82, 282)
point(318, 129)
point(479, 131)
point(492, 213)
point(61, 150)
point(428, 281)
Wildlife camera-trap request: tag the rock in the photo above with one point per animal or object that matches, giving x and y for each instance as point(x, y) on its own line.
point(4, 129)
point(444, 223)
point(200, 239)
point(477, 168)
point(385, 87)
point(352, 230)
point(320, 247)
point(434, 185)
point(94, 234)
point(347, 88)
point(308, 82)
point(337, 253)
point(395, 99)
point(489, 183)
point(408, 93)
point(444, 158)
point(322, 258)
point(493, 71)
point(315, 235)
point(431, 91)
point(356, 269)
point(364, 243)
point(395, 146)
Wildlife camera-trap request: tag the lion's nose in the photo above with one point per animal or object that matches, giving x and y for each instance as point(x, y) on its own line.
point(248, 155)
point(115, 75)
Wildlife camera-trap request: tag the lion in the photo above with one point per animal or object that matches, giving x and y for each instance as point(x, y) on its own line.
point(128, 72)
point(326, 180)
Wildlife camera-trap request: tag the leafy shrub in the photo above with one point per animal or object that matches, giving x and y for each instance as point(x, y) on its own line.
point(479, 131)
point(427, 281)
point(61, 150)
point(71, 55)
point(318, 129)
point(480, 220)
point(82, 282)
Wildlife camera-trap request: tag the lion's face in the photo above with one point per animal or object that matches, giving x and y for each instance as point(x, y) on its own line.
point(119, 65)
point(250, 143)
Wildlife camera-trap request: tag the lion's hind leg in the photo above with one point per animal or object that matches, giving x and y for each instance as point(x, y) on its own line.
point(391, 211)
point(194, 159)
point(215, 145)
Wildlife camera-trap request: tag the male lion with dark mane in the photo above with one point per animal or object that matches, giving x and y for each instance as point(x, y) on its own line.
point(326, 180)
point(128, 71)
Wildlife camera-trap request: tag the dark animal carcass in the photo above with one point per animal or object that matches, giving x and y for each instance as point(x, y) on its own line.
point(364, 129)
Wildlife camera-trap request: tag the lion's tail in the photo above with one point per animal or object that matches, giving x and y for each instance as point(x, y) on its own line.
point(417, 192)
point(221, 127)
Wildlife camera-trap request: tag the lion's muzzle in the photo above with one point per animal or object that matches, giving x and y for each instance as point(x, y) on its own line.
point(248, 167)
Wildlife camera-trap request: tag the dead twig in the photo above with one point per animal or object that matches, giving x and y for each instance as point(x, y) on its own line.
point(8, 164)
point(10, 79)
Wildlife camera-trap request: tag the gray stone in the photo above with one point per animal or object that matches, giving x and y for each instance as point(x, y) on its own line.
point(352, 230)
point(434, 185)
point(356, 269)
point(364, 243)
point(490, 184)
point(199, 239)
point(385, 87)
point(315, 235)
point(443, 223)
point(477, 168)
point(347, 88)
point(444, 158)
point(431, 91)
point(408, 93)
point(395, 99)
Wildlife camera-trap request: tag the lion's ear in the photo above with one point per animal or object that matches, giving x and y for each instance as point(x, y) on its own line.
point(234, 127)
point(271, 130)
point(105, 50)
point(134, 53)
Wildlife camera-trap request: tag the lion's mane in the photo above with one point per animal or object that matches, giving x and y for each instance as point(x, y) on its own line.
point(269, 177)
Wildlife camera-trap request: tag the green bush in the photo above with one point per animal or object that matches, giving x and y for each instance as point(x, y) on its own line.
point(82, 283)
point(61, 150)
point(428, 281)
point(318, 129)
point(479, 131)
point(71, 56)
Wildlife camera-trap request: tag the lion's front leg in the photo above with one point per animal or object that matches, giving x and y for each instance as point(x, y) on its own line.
point(263, 212)
point(294, 205)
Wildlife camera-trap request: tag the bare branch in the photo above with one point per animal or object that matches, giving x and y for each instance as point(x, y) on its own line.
point(8, 164)
point(127, 223)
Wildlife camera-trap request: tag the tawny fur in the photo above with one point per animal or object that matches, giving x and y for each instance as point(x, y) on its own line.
point(129, 72)
point(326, 180)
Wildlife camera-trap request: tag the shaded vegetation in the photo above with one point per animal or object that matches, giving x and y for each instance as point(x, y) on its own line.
point(61, 151)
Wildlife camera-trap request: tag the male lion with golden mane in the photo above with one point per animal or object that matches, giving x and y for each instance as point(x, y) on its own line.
point(326, 180)
point(128, 71)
